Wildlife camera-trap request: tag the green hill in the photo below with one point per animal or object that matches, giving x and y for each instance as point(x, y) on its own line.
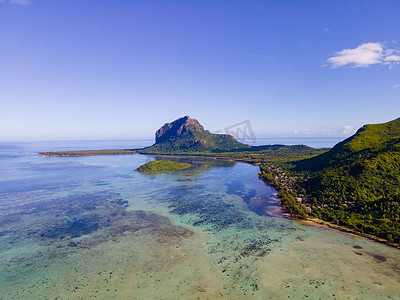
point(357, 182)
point(188, 135)
point(368, 141)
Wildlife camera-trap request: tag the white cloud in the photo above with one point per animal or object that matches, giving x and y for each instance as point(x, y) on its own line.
point(348, 129)
point(365, 55)
point(320, 131)
point(392, 58)
point(396, 85)
point(21, 2)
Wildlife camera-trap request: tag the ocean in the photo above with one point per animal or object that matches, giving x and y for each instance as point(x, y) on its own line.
point(92, 227)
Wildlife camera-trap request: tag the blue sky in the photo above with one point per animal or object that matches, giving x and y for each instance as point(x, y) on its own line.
point(121, 69)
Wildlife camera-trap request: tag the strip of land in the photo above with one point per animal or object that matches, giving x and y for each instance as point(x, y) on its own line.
point(88, 152)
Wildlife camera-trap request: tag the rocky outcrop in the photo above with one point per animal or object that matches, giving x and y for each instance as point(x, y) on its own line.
point(178, 128)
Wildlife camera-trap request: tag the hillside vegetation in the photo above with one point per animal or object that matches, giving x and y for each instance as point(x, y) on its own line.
point(162, 166)
point(357, 183)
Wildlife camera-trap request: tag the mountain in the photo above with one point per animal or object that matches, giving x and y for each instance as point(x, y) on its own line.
point(357, 182)
point(177, 128)
point(188, 135)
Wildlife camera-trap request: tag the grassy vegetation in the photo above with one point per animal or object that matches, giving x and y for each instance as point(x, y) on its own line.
point(254, 155)
point(161, 166)
point(270, 153)
point(88, 152)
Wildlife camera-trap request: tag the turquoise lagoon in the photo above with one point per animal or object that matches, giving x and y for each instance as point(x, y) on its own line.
point(92, 228)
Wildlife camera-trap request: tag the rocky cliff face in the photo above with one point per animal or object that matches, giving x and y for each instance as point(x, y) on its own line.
point(187, 135)
point(177, 129)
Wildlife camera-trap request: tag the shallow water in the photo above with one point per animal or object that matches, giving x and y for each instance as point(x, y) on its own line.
point(91, 227)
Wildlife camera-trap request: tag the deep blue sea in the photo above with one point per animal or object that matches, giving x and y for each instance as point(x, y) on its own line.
point(92, 227)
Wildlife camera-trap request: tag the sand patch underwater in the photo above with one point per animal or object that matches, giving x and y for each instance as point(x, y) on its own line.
point(332, 265)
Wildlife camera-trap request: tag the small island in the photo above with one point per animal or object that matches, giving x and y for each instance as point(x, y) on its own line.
point(161, 166)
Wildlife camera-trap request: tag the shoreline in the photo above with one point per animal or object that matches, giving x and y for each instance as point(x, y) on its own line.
point(329, 225)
